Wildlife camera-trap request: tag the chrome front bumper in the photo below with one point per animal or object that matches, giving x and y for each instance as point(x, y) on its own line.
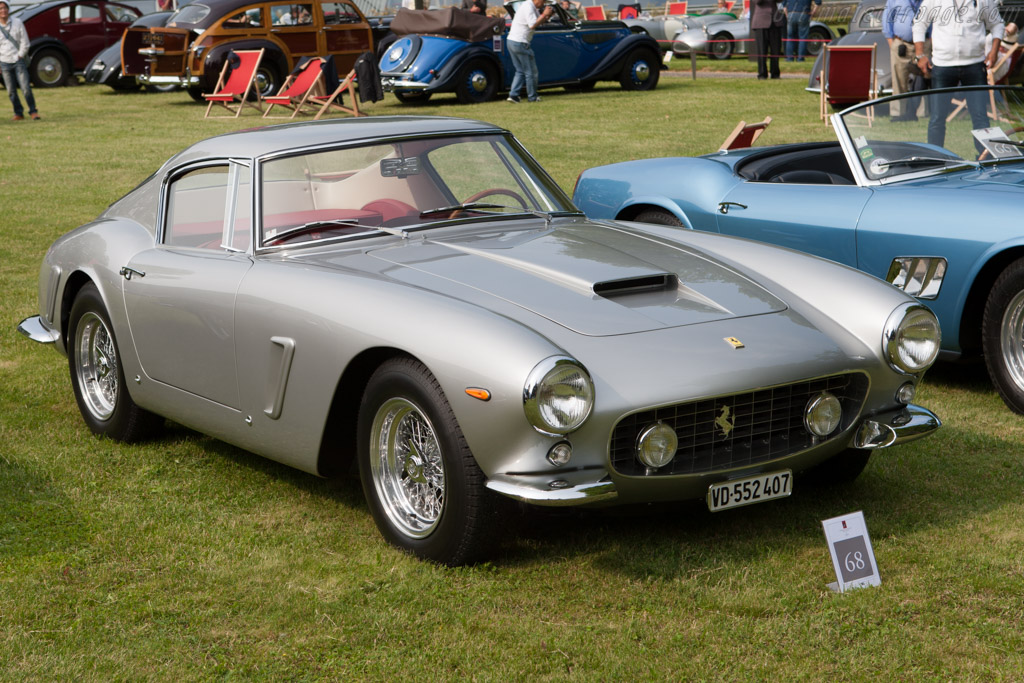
point(583, 494)
point(168, 80)
point(35, 329)
point(895, 427)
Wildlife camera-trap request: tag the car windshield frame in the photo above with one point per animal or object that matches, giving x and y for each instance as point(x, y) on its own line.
point(424, 195)
point(882, 149)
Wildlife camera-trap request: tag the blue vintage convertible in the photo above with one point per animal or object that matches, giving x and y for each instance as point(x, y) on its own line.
point(936, 216)
point(452, 50)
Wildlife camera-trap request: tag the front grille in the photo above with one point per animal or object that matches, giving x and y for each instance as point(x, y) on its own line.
point(727, 432)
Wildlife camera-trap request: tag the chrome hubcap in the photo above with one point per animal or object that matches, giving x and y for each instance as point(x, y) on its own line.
point(49, 70)
point(96, 361)
point(1011, 339)
point(407, 467)
point(641, 72)
point(478, 82)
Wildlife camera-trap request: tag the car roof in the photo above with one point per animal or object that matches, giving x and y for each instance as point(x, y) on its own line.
point(27, 11)
point(258, 142)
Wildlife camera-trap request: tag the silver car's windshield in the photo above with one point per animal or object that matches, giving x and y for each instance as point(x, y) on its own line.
point(934, 131)
point(400, 186)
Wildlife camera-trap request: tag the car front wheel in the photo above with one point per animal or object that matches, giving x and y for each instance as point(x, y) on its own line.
point(97, 376)
point(1003, 335)
point(640, 71)
point(658, 217)
point(423, 487)
point(721, 46)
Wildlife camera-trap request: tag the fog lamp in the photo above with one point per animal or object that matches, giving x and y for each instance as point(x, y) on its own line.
point(560, 453)
point(656, 445)
point(822, 414)
point(905, 394)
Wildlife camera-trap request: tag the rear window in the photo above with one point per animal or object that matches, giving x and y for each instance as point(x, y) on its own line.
point(189, 14)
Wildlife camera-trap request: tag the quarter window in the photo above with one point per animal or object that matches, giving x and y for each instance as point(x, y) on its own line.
point(210, 208)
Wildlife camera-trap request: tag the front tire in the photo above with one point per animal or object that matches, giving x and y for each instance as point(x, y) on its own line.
point(658, 217)
point(97, 376)
point(721, 47)
point(477, 82)
point(640, 71)
point(49, 69)
point(1003, 335)
point(422, 484)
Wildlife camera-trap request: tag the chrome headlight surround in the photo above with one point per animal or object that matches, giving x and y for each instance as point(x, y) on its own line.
point(558, 396)
point(910, 340)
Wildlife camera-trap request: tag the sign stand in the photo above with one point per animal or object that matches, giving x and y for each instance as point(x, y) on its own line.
point(852, 555)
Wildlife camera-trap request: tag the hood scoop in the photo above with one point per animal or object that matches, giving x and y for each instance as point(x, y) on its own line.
point(643, 284)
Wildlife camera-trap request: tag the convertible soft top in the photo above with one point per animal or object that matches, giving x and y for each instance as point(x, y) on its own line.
point(451, 22)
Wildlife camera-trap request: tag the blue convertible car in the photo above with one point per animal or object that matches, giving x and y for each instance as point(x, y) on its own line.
point(935, 215)
point(453, 50)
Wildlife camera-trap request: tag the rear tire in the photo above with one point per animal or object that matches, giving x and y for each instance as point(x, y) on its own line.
point(422, 484)
point(658, 217)
point(477, 82)
point(1003, 335)
point(818, 38)
point(97, 376)
point(49, 69)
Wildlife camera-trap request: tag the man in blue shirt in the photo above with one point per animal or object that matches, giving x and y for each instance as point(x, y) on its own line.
point(898, 29)
point(798, 14)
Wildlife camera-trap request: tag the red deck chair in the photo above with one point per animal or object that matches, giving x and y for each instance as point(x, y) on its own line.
point(335, 100)
point(847, 77)
point(629, 11)
point(744, 134)
point(675, 8)
point(729, 5)
point(236, 82)
point(594, 13)
point(296, 93)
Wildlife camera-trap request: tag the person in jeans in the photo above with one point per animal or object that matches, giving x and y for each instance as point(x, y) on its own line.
point(958, 55)
point(528, 18)
point(898, 29)
point(798, 26)
point(13, 48)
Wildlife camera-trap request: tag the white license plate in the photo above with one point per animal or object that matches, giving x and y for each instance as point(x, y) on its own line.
point(737, 492)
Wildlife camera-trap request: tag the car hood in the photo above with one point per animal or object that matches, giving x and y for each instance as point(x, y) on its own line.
point(594, 279)
point(999, 177)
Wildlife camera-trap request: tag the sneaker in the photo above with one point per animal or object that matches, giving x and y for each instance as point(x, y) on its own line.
point(535, 99)
point(36, 116)
point(18, 118)
point(513, 99)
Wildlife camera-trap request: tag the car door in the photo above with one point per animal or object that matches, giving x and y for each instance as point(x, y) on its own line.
point(180, 295)
point(294, 25)
point(81, 29)
point(565, 48)
point(346, 34)
point(818, 219)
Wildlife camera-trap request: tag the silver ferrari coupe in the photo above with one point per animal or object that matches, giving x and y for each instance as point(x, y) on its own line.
point(418, 294)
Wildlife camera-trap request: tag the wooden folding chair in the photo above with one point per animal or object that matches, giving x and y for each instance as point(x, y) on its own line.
point(594, 13)
point(848, 77)
point(729, 5)
point(237, 82)
point(335, 99)
point(298, 90)
point(675, 7)
point(629, 11)
point(744, 134)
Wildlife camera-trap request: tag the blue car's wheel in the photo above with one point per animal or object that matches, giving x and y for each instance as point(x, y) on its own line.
point(477, 82)
point(640, 71)
point(1003, 335)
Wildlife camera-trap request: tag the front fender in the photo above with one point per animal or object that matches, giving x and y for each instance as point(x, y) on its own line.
point(611, 64)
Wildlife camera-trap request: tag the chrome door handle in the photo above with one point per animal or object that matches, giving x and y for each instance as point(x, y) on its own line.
point(723, 208)
point(127, 272)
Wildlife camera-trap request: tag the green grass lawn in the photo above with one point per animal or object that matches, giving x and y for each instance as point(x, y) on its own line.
point(185, 558)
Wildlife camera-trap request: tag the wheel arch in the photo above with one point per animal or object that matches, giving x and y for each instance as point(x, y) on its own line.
point(631, 211)
point(447, 75)
point(612, 63)
point(974, 304)
point(338, 443)
point(75, 282)
point(44, 42)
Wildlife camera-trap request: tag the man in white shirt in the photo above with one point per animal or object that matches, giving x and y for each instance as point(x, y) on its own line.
point(13, 48)
point(528, 17)
point(958, 54)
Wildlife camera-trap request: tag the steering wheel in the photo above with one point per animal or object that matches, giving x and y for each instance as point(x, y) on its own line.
point(496, 191)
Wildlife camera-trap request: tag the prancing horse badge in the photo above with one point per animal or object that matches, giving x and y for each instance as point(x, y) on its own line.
point(734, 342)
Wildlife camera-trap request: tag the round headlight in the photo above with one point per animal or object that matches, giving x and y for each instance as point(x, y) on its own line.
point(558, 395)
point(656, 445)
point(911, 338)
point(822, 414)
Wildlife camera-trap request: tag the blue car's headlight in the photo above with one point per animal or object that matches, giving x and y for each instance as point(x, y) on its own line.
point(911, 338)
point(558, 395)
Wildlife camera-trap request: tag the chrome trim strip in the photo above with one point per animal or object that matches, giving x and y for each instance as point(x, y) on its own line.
point(895, 427)
point(51, 294)
point(584, 493)
point(35, 329)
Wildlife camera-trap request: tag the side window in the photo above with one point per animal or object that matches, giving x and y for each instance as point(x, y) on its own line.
point(210, 208)
point(871, 19)
point(291, 15)
point(86, 14)
point(250, 18)
point(340, 13)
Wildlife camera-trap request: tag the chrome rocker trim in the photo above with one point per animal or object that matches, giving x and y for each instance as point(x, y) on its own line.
point(895, 427)
point(35, 329)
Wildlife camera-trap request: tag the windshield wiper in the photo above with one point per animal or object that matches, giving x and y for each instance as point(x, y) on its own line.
point(880, 166)
point(464, 207)
point(286, 235)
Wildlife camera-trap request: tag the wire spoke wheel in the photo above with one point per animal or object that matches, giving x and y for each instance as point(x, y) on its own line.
point(407, 467)
point(96, 366)
point(1011, 339)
